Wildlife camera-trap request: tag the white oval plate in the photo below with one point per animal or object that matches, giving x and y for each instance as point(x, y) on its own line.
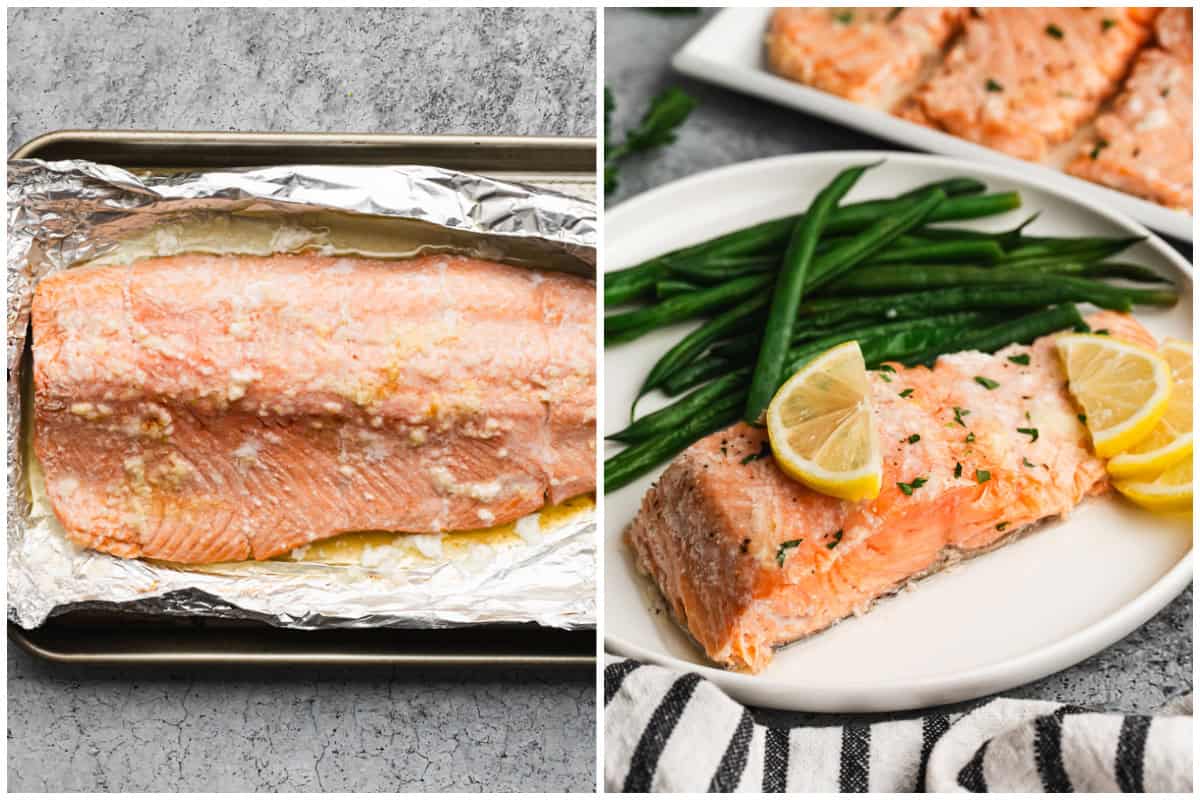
point(1037, 606)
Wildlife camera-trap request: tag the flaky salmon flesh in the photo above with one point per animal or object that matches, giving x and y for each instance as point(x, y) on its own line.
point(1024, 79)
point(199, 409)
point(868, 55)
point(1143, 144)
point(749, 559)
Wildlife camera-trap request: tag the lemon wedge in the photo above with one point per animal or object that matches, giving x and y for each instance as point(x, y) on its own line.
point(1171, 439)
point(822, 428)
point(1123, 388)
point(1170, 491)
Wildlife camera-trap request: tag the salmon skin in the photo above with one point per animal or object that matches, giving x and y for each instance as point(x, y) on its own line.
point(749, 559)
point(199, 408)
point(868, 55)
point(1143, 144)
point(1021, 80)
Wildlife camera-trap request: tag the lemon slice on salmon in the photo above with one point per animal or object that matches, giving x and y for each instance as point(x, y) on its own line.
point(1123, 388)
point(822, 427)
point(1170, 491)
point(1171, 439)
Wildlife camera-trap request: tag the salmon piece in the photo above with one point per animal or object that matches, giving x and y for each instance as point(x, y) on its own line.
point(749, 559)
point(1021, 80)
point(1143, 144)
point(869, 55)
point(215, 408)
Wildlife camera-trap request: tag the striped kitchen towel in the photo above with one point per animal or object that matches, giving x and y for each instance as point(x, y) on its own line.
point(670, 732)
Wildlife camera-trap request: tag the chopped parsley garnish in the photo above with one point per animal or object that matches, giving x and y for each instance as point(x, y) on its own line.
point(986, 383)
point(781, 556)
point(763, 453)
point(1022, 359)
point(957, 470)
point(844, 17)
point(916, 437)
point(895, 12)
point(1082, 418)
point(959, 413)
point(970, 437)
point(1027, 462)
point(1106, 23)
point(1101, 332)
point(908, 488)
point(906, 393)
point(745, 545)
point(982, 476)
point(837, 538)
point(1001, 526)
point(1100, 145)
point(886, 377)
point(887, 368)
point(1166, 90)
point(992, 86)
point(1031, 432)
point(1054, 30)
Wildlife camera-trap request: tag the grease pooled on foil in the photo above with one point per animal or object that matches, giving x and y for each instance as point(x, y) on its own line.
point(61, 214)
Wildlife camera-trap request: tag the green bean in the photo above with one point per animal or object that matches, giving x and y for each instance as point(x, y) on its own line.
point(743, 347)
point(829, 311)
point(840, 259)
point(978, 251)
point(893, 278)
point(695, 342)
point(633, 462)
point(1103, 269)
point(1092, 248)
point(725, 268)
point(790, 284)
point(630, 283)
point(674, 415)
point(672, 287)
point(632, 324)
point(1020, 331)
point(698, 372)
point(1006, 239)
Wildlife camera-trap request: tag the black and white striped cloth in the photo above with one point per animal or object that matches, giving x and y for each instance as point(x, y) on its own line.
point(672, 732)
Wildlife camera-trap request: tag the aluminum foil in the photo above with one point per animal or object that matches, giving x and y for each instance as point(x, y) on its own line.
point(65, 213)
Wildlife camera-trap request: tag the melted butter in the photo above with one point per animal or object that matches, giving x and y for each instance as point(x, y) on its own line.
point(348, 548)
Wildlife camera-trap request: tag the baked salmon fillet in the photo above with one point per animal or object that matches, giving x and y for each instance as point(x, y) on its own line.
point(873, 56)
point(201, 408)
point(1143, 144)
point(1021, 80)
point(750, 560)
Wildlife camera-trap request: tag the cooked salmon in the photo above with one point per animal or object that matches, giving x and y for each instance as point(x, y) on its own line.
point(868, 55)
point(749, 559)
point(215, 408)
point(1021, 80)
point(1143, 144)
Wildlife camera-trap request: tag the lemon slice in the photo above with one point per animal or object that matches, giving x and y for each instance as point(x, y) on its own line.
point(1123, 388)
point(1171, 440)
point(1170, 491)
point(822, 429)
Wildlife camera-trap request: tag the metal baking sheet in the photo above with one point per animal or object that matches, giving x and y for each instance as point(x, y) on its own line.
point(122, 637)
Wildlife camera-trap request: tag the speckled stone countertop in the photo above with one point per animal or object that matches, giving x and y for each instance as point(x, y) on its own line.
point(489, 71)
point(1139, 673)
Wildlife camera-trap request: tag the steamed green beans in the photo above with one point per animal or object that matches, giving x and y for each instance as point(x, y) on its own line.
point(790, 285)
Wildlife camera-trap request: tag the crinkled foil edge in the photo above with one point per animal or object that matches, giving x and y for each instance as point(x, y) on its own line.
point(66, 212)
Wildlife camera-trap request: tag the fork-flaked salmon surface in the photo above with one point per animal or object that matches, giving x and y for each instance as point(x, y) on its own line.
point(869, 55)
point(213, 408)
point(1143, 144)
point(1021, 80)
point(749, 559)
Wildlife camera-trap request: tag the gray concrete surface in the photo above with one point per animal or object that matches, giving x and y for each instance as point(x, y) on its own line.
point(498, 71)
point(1141, 672)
